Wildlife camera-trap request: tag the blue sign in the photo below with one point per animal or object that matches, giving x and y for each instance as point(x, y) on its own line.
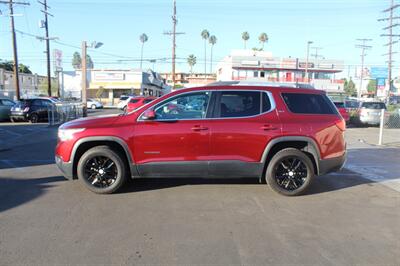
point(380, 82)
point(379, 72)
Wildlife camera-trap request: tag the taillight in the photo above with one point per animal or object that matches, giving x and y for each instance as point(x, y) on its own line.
point(341, 124)
point(26, 109)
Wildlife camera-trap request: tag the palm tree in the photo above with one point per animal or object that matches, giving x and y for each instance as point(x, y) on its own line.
point(191, 60)
point(245, 37)
point(212, 40)
point(263, 38)
point(205, 35)
point(143, 38)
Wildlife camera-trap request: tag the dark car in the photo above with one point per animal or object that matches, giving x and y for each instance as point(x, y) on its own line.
point(283, 135)
point(5, 107)
point(33, 110)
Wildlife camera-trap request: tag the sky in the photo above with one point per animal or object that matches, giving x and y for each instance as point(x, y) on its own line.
point(333, 25)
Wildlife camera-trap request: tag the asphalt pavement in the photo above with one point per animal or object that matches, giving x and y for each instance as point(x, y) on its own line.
point(347, 218)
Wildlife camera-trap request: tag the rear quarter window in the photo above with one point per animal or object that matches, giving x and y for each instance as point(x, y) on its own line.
point(306, 103)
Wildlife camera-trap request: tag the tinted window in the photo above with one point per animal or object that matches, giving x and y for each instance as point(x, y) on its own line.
point(266, 103)
point(303, 103)
point(134, 100)
point(123, 98)
point(339, 105)
point(239, 103)
point(186, 106)
point(375, 105)
point(37, 102)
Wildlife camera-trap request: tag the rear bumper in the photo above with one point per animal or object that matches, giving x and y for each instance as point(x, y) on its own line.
point(65, 168)
point(331, 164)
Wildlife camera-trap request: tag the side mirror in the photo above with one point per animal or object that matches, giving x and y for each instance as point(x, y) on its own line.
point(149, 115)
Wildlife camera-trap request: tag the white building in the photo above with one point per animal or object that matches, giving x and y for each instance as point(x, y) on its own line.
point(263, 66)
point(109, 85)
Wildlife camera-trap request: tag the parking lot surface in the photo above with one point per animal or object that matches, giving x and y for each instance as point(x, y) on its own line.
point(346, 218)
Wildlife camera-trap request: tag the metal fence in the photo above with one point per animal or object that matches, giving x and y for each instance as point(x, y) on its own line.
point(62, 112)
point(389, 128)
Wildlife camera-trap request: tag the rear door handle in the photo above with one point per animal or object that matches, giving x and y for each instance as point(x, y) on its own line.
point(199, 128)
point(268, 127)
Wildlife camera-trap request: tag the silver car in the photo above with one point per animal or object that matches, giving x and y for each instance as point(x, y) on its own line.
point(370, 112)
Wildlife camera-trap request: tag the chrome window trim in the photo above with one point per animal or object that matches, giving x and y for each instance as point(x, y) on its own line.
point(270, 96)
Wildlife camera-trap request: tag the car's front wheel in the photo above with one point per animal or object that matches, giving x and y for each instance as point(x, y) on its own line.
point(93, 106)
point(102, 170)
point(290, 172)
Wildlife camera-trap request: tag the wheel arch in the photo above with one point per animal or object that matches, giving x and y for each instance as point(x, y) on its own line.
point(305, 144)
point(115, 143)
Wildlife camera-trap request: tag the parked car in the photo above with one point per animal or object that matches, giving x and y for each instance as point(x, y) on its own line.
point(5, 108)
point(123, 102)
point(370, 112)
point(342, 110)
point(136, 102)
point(33, 110)
point(93, 104)
point(395, 99)
point(277, 134)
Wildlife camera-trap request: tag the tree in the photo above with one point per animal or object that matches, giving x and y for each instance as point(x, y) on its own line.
point(143, 38)
point(350, 88)
point(191, 60)
point(212, 40)
point(76, 60)
point(263, 38)
point(245, 37)
point(371, 87)
point(9, 66)
point(205, 35)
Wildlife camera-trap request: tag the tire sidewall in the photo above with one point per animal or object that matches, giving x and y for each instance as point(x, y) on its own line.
point(289, 153)
point(32, 120)
point(106, 152)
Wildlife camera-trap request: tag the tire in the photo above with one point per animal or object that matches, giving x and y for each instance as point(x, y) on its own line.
point(34, 118)
point(281, 173)
point(97, 183)
point(12, 120)
point(93, 106)
point(125, 108)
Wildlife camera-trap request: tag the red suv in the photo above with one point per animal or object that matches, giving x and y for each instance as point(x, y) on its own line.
point(137, 102)
point(279, 134)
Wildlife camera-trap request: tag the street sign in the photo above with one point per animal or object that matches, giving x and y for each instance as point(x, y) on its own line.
point(379, 72)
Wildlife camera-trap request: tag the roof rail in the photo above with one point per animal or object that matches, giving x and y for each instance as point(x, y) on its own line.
point(262, 84)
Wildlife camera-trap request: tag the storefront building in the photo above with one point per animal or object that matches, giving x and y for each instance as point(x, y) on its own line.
point(263, 66)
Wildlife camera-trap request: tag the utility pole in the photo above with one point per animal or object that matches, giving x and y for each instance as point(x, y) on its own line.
point(308, 53)
point(47, 39)
point(14, 44)
point(390, 35)
point(173, 33)
point(363, 48)
point(83, 70)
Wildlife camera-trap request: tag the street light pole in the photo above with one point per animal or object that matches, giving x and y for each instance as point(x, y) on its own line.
point(308, 53)
point(83, 68)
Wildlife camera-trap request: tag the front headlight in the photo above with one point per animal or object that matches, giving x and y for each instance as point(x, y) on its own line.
point(68, 134)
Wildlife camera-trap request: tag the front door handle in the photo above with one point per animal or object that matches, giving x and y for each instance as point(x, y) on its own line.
point(268, 127)
point(199, 128)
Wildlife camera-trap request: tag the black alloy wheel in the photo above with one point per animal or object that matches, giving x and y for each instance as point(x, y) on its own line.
point(34, 118)
point(102, 170)
point(290, 172)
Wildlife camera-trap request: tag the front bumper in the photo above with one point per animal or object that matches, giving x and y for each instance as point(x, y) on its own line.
point(331, 164)
point(65, 168)
point(19, 116)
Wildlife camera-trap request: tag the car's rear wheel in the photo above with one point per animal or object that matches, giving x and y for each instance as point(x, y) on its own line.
point(102, 170)
point(34, 118)
point(290, 172)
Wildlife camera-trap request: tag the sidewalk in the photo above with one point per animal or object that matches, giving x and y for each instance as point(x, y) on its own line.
point(377, 163)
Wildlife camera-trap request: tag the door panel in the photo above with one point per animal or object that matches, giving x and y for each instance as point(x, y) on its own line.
point(238, 136)
point(180, 135)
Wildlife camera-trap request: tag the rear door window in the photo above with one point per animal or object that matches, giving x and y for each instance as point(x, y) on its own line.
point(239, 104)
point(134, 101)
point(306, 103)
